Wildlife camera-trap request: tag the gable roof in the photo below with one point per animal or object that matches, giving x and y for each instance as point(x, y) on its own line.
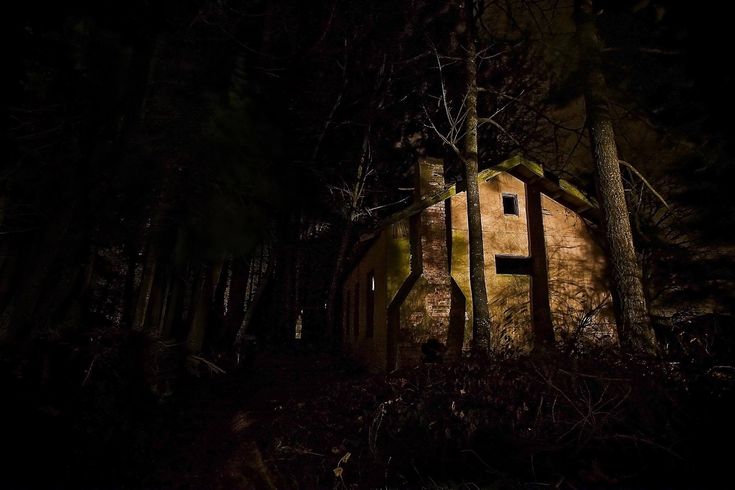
point(531, 173)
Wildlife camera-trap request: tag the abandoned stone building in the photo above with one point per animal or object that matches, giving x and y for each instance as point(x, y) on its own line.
point(545, 273)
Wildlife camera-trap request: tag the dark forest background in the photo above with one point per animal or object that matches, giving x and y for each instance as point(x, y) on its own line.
point(183, 183)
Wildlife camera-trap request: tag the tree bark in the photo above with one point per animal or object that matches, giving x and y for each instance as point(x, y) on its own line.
point(259, 279)
point(216, 325)
point(634, 326)
point(236, 300)
point(12, 250)
point(128, 306)
point(172, 309)
point(480, 310)
point(141, 72)
point(200, 303)
point(543, 330)
point(145, 289)
point(334, 285)
point(20, 317)
point(157, 302)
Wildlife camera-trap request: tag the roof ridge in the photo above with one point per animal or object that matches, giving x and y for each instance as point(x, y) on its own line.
point(531, 173)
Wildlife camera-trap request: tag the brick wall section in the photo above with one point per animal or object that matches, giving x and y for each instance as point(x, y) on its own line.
point(435, 258)
point(425, 312)
point(430, 177)
point(576, 276)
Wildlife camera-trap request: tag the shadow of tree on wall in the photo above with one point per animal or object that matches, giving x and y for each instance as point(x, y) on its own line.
point(510, 307)
point(581, 303)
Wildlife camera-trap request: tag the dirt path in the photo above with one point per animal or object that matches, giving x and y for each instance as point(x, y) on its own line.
point(209, 436)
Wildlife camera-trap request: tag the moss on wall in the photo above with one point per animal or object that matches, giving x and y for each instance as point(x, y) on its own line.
point(398, 257)
point(460, 273)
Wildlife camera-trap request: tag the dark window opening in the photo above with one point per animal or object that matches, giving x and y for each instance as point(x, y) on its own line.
point(356, 325)
point(512, 265)
point(510, 204)
point(370, 305)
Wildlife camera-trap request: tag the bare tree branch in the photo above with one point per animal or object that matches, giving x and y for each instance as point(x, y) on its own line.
point(648, 184)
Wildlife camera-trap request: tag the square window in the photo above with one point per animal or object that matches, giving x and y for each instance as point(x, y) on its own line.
point(510, 204)
point(512, 265)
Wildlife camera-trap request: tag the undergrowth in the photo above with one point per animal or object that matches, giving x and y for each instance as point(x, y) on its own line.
point(601, 420)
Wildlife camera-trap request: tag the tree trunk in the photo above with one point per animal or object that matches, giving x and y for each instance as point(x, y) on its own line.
point(200, 302)
point(160, 320)
point(172, 309)
point(20, 317)
point(236, 299)
point(261, 270)
point(67, 300)
point(189, 283)
point(145, 289)
point(285, 292)
point(128, 306)
point(143, 63)
point(156, 250)
point(334, 285)
point(216, 326)
point(634, 327)
point(156, 304)
point(83, 292)
point(11, 249)
point(543, 329)
point(480, 310)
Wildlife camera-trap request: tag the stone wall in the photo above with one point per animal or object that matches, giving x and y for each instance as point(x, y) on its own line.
point(576, 264)
point(421, 270)
point(368, 349)
point(424, 314)
point(578, 289)
point(508, 295)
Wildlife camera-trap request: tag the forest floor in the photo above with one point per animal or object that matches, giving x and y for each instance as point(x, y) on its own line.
point(208, 434)
point(305, 419)
point(224, 437)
